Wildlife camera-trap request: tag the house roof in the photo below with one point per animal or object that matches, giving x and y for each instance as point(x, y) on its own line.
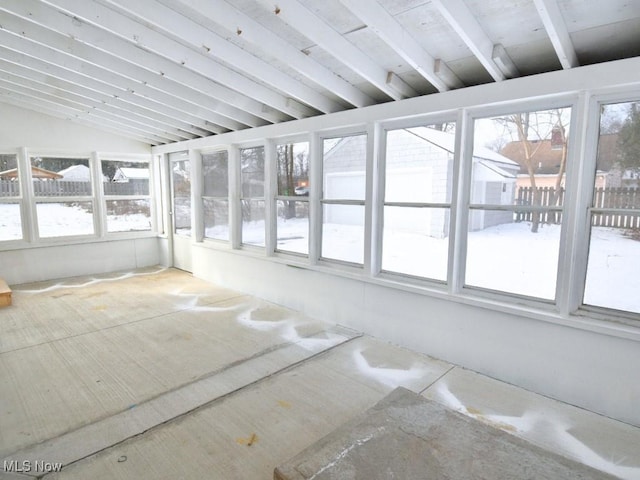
point(161, 71)
point(547, 159)
point(36, 172)
point(446, 141)
point(75, 171)
point(134, 173)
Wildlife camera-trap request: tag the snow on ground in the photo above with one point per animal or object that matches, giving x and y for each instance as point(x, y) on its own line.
point(506, 258)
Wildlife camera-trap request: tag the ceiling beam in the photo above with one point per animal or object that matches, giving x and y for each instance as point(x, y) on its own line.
point(95, 107)
point(115, 105)
point(92, 43)
point(87, 111)
point(396, 36)
point(70, 69)
point(551, 16)
point(71, 112)
point(140, 79)
point(460, 18)
point(323, 34)
point(21, 102)
point(205, 43)
point(229, 17)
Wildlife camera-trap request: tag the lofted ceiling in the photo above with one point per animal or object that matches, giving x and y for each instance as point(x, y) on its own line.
point(162, 71)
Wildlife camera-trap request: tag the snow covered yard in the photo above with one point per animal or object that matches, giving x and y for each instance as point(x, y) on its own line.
point(505, 258)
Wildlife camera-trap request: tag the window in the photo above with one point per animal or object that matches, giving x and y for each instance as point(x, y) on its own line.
point(180, 167)
point(215, 197)
point(516, 202)
point(252, 195)
point(10, 199)
point(614, 243)
point(343, 195)
point(63, 193)
point(292, 200)
point(126, 194)
point(417, 200)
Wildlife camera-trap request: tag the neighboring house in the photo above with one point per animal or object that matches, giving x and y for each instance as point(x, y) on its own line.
point(548, 158)
point(418, 169)
point(130, 174)
point(76, 173)
point(36, 172)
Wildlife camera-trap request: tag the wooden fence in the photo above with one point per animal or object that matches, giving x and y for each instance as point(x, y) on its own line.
point(618, 199)
point(65, 188)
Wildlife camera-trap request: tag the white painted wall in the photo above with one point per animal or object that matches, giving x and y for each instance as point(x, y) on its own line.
point(588, 369)
point(60, 261)
point(37, 131)
point(46, 134)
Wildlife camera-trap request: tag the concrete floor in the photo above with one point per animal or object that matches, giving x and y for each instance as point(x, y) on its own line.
point(156, 374)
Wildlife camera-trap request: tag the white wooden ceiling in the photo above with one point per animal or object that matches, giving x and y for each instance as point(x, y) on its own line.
point(162, 71)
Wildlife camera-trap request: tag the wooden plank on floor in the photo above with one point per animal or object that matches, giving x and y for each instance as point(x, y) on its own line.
point(5, 294)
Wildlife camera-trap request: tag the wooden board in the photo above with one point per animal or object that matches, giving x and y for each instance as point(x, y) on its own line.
point(5, 294)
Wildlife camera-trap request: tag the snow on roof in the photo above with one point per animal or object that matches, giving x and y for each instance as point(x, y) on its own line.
point(447, 142)
point(500, 171)
point(75, 170)
point(135, 173)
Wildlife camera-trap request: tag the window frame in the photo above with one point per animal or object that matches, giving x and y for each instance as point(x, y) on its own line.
point(577, 307)
point(228, 198)
point(366, 203)
point(568, 100)
point(276, 197)
point(17, 199)
point(103, 198)
point(385, 127)
point(238, 197)
point(93, 198)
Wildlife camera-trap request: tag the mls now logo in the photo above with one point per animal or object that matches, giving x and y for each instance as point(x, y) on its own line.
point(27, 466)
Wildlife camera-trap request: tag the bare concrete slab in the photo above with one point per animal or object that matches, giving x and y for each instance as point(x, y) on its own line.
point(407, 436)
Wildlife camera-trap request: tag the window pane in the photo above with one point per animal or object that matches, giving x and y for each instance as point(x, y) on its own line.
point(252, 172)
point(614, 247)
point(293, 226)
point(419, 164)
point(415, 241)
point(128, 215)
point(612, 269)
point(343, 168)
point(506, 256)
point(343, 233)
point(9, 179)
point(253, 232)
point(125, 178)
point(64, 219)
point(521, 158)
point(10, 222)
point(216, 218)
point(181, 190)
point(215, 169)
point(61, 177)
point(293, 169)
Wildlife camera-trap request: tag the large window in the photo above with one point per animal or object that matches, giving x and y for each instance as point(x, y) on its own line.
point(252, 195)
point(292, 199)
point(63, 192)
point(215, 196)
point(614, 245)
point(516, 202)
point(10, 199)
point(343, 195)
point(417, 200)
point(180, 167)
point(126, 195)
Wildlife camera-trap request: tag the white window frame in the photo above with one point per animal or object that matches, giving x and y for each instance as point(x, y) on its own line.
point(103, 197)
point(304, 138)
point(369, 132)
point(380, 202)
point(228, 198)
